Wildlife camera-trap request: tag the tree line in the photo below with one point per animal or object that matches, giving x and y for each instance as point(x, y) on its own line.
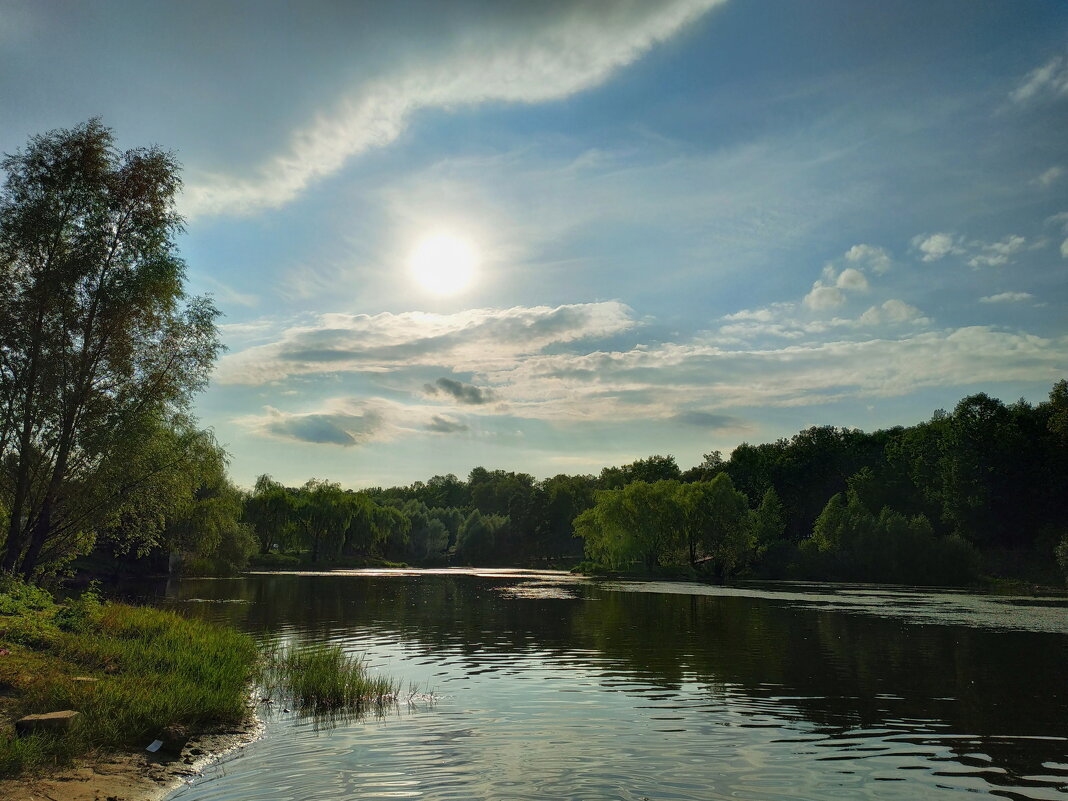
point(976, 490)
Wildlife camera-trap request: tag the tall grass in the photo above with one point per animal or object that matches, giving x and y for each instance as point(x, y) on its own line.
point(152, 669)
point(323, 678)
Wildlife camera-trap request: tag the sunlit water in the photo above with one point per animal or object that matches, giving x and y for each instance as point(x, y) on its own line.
point(546, 687)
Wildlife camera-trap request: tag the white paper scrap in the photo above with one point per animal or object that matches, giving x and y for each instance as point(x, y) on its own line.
point(154, 746)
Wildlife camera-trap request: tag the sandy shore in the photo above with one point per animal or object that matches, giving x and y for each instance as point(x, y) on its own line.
point(139, 776)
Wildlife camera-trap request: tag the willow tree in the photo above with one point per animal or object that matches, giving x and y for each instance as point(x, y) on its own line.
point(98, 341)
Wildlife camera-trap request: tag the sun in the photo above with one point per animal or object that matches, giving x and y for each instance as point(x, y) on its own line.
point(443, 263)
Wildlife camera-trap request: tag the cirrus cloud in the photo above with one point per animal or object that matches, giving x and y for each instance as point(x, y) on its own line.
point(554, 57)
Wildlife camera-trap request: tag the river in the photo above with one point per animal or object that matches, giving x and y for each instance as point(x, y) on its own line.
point(532, 686)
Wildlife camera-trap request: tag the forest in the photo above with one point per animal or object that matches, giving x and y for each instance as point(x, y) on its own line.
point(975, 491)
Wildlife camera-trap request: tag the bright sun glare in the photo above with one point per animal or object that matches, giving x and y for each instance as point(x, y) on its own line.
point(443, 263)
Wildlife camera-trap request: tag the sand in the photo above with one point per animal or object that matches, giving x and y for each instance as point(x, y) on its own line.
point(139, 776)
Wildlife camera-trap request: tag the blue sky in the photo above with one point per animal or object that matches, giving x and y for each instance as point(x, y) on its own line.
point(689, 223)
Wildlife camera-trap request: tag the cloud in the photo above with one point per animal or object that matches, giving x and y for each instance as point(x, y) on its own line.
point(852, 279)
point(459, 391)
point(821, 297)
point(553, 57)
point(937, 246)
point(790, 375)
point(444, 425)
point(349, 422)
point(1007, 297)
point(892, 311)
point(996, 254)
point(830, 360)
point(1064, 249)
point(1050, 176)
point(342, 427)
point(977, 253)
point(875, 258)
point(709, 420)
point(1048, 81)
point(829, 291)
point(467, 340)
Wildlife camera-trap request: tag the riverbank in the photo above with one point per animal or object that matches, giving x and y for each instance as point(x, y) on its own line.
point(132, 776)
point(133, 675)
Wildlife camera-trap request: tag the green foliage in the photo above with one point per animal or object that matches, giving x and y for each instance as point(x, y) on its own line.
point(325, 514)
point(1061, 554)
point(717, 523)
point(668, 525)
point(850, 543)
point(82, 614)
point(152, 669)
point(476, 538)
point(18, 597)
point(322, 678)
point(650, 470)
point(102, 349)
point(273, 561)
point(271, 509)
point(639, 523)
point(768, 521)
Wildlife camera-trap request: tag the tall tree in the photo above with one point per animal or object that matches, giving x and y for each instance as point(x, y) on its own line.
point(98, 341)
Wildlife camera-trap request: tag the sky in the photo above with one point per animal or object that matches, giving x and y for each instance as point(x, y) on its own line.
point(553, 236)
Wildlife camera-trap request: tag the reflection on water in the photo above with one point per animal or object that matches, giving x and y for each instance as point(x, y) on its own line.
point(547, 687)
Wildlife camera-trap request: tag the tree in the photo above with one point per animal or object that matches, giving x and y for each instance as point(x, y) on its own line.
point(325, 514)
point(206, 525)
point(272, 511)
point(652, 469)
point(98, 342)
point(769, 520)
point(716, 522)
point(475, 540)
point(640, 522)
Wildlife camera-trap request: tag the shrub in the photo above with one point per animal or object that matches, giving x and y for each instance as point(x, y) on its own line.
point(1061, 552)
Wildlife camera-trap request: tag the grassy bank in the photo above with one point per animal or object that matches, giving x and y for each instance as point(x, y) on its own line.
point(129, 671)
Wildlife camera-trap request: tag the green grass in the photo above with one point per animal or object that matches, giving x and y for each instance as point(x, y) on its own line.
point(324, 678)
point(152, 669)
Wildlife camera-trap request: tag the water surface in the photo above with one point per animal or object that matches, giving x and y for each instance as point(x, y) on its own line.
point(546, 687)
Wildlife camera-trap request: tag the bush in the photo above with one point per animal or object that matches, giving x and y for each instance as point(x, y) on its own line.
point(81, 614)
point(17, 597)
point(1061, 553)
point(274, 561)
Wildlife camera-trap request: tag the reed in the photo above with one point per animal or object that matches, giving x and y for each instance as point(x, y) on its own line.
point(322, 678)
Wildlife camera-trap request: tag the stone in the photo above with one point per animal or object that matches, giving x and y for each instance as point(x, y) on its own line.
point(174, 739)
point(48, 723)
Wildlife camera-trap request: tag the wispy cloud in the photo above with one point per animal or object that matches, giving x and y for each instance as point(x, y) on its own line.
point(460, 392)
point(1048, 81)
point(976, 252)
point(350, 422)
point(1007, 297)
point(1050, 176)
point(472, 339)
point(563, 55)
point(440, 424)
